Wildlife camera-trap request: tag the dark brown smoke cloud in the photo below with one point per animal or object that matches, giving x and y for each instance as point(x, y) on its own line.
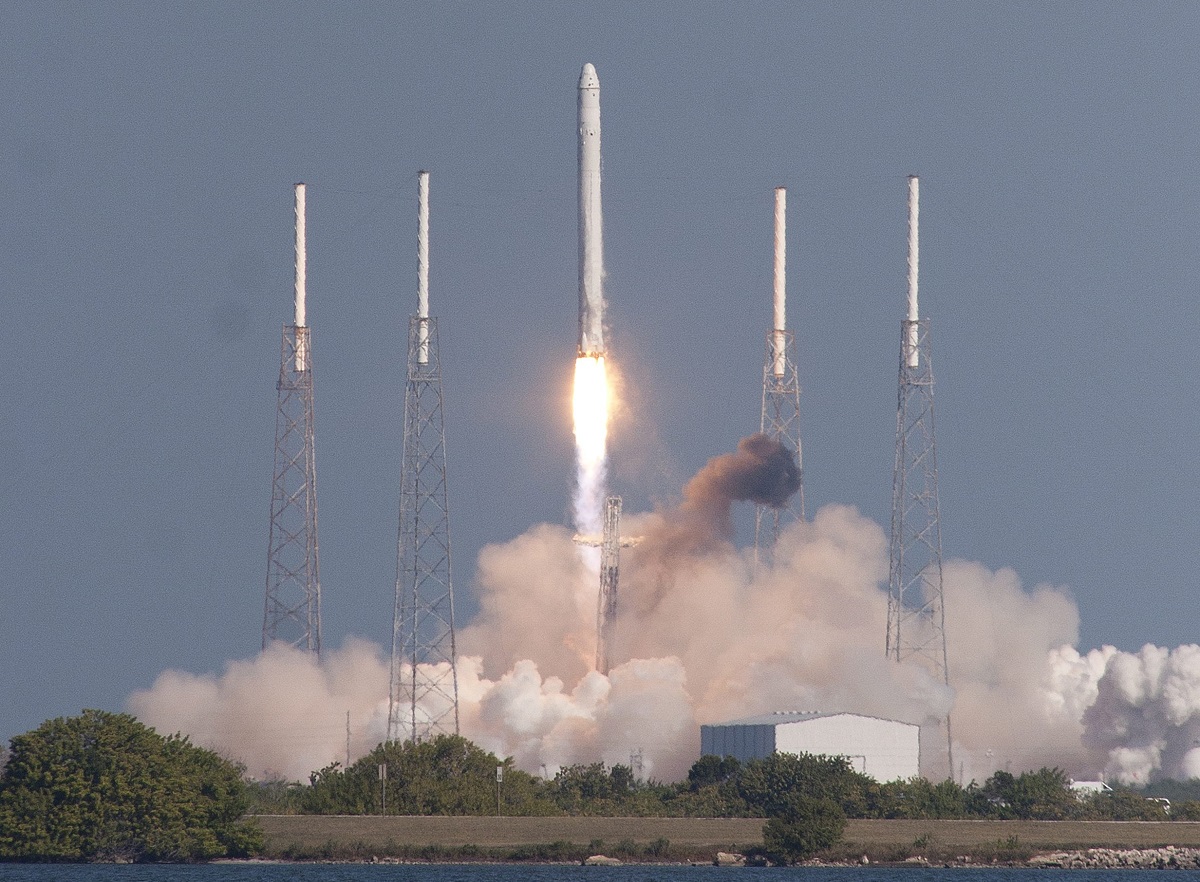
point(762, 471)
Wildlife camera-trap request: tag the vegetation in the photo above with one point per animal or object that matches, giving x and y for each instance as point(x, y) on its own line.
point(103, 786)
point(451, 776)
point(800, 826)
point(445, 776)
point(1176, 791)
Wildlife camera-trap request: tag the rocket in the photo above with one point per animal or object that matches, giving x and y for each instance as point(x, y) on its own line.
point(591, 232)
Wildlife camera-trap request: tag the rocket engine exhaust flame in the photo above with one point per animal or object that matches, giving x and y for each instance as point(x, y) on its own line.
point(590, 407)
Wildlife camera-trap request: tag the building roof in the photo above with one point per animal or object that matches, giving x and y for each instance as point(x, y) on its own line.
point(776, 718)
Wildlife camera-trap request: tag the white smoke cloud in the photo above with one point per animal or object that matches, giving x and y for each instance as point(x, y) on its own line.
point(1145, 720)
point(537, 601)
point(705, 636)
point(282, 713)
point(642, 705)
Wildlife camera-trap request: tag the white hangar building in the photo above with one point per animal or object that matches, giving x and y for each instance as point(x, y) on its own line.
point(886, 750)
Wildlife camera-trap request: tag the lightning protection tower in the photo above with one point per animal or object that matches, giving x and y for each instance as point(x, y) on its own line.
point(292, 612)
point(610, 563)
point(423, 694)
point(916, 625)
point(610, 542)
point(610, 576)
point(781, 389)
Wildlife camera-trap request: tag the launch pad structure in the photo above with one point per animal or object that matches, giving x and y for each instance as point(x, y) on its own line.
point(780, 418)
point(423, 687)
point(916, 620)
point(292, 607)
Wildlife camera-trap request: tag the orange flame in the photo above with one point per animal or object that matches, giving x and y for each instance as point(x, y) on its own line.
point(591, 441)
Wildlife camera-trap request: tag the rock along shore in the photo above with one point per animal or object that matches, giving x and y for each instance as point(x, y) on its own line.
point(1167, 858)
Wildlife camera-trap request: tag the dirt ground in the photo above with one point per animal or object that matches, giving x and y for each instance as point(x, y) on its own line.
point(313, 831)
point(310, 831)
point(1046, 835)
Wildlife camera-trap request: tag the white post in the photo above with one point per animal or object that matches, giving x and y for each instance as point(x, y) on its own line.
point(779, 325)
point(423, 267)
point(914, 247)
point(301, 279)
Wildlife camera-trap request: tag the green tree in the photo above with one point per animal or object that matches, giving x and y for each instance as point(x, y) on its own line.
point(102, 786)
point(1186, 810)
point(1124, 805)
point(589, 789)
point(1044, 795)
point(710, 769)
point(768, 784)
point(715, 800)
point(596, 789)
point(1176, 791)
point(274, 796)
point(447, 775)
point(918, 798)
point(800, 826)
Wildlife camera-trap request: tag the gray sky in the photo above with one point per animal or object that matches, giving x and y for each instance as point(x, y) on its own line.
point(147, 153)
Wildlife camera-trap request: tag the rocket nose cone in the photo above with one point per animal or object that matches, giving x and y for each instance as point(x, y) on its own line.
point(588, 78)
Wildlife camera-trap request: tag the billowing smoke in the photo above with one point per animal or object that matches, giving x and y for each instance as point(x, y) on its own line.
point(704, 635)
point(762, 471)
point(1146, 715)
point(282, 713)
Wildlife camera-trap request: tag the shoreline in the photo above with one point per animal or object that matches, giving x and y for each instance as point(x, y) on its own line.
point(567, 840)
point(1168, 858)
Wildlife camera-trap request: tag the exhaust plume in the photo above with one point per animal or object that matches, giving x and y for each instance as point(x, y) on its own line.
point(706, 636)
point(590, 409)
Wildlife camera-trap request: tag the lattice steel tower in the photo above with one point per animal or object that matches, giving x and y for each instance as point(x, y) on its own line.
point(916, 626)
point(423, 694)
point(781, 389)
point(292, 611)
point(610, 542)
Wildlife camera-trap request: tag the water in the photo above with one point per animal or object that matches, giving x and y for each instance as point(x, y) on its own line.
point(543, 873)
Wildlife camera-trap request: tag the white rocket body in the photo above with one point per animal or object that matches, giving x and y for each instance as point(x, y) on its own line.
point(591, 227)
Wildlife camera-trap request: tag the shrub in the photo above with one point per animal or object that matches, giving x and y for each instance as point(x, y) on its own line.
point(102, 786)
point(801, 826)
